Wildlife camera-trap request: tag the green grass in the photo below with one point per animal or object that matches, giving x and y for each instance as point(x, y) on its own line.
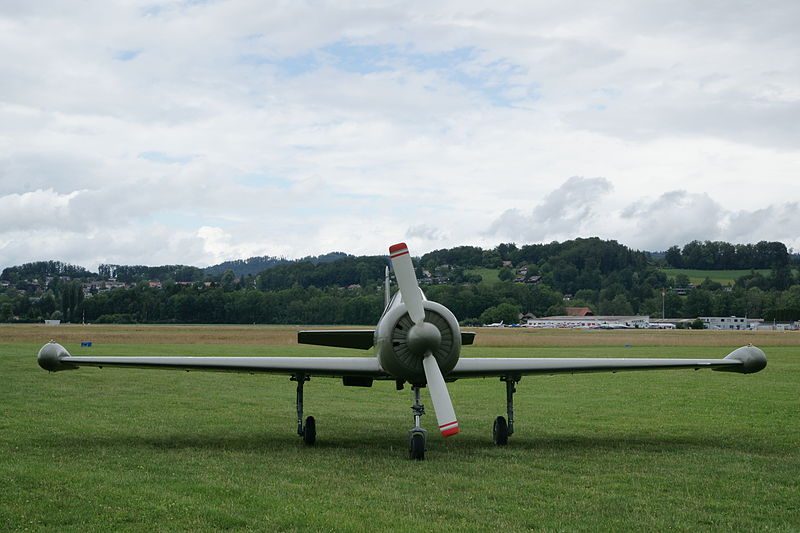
point(725, 277)
point(134, 450)
point(488, 275)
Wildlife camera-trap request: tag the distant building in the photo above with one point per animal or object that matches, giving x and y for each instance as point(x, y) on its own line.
point(725, 323)
point(776, 326)
point(578, 311)
point(670, 323)
point(588, 321)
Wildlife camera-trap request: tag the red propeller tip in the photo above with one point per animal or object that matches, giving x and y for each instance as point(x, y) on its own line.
point(449, 429)
point(398, 249)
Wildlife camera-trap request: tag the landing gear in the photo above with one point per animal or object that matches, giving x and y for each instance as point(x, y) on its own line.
point(501, 429)
point(417, 437)
point(308, 430)
point(416, 446)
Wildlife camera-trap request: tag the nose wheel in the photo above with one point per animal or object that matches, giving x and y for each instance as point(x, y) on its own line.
point(416, 445)
point(417, 437)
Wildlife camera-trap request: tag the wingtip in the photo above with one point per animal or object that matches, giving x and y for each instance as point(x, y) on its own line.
point(51, 355)
point(752, 358)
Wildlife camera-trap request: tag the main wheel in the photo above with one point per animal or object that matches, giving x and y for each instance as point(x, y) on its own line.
point(310, 431)
point(417, 447)
point(500, 431)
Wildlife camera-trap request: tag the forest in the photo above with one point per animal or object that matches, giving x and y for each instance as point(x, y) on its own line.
point(542, 279)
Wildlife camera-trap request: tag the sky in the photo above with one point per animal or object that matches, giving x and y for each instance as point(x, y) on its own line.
point(195, 132)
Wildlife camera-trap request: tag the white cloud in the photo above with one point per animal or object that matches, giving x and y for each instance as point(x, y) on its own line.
point(569, 210)
point(675, 217)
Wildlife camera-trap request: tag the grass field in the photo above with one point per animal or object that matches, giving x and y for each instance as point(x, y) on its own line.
point(135, 450)
point(488, 275)
point(724, 277)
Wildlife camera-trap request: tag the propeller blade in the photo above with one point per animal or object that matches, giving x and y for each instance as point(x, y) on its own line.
point(407, 281)
point(445, 415)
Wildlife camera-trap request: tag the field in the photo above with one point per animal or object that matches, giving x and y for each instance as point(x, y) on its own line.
point(135, 450)
point(488, 275)
point(724, 277)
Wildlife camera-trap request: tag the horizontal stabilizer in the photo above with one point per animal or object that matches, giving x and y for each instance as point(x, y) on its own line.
point(361, 339)
point(467, 337)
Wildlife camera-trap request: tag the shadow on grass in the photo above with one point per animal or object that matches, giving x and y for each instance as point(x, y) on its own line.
point(372, 442)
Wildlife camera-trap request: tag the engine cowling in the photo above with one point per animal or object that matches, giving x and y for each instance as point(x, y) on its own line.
point(392, 341)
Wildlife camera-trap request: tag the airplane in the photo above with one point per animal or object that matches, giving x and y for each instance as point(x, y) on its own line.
point(416, 341)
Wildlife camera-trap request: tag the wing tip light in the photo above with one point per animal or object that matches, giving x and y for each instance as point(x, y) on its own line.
point(752, 358)
point(51, 355)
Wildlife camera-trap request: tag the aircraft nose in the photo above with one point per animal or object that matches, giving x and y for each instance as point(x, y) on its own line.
point(423, 338)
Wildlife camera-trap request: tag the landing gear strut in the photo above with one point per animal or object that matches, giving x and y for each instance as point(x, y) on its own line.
point(417, 437)
point(501, 429)
point(308, 430)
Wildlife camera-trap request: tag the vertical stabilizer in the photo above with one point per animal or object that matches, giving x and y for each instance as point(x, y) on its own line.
point(387, 289)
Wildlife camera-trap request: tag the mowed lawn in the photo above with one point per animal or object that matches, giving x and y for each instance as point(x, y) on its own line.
point(725, 277)
point(142, 450)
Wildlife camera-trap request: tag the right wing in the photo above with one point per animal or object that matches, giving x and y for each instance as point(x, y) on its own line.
point(54, 357)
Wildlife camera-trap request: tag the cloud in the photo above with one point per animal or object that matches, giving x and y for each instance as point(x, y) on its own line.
point(425, 232)
point(582, 207)
point(779, 222)
point(36, 210)
point(568, 210)
point(675, 217)
point(679, 217)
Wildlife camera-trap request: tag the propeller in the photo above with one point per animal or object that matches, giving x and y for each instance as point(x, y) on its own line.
point(423, 338)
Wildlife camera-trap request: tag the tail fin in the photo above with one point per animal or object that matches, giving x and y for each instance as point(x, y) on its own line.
point(387, 289)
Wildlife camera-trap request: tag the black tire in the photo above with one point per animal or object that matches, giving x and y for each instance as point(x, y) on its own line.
point(500, 431)
point(417, 447)
point(310, 431)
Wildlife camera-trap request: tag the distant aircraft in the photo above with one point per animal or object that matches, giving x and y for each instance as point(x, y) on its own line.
point(417, 341)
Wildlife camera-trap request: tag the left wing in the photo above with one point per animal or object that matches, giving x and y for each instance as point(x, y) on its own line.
point(54, 357)
point(745, 360)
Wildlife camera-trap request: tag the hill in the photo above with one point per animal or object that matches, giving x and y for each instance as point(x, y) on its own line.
point(543, 279)
point(255, 265)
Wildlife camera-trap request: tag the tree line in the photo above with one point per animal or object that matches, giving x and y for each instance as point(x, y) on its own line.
point(715, 255)
point(605, 276)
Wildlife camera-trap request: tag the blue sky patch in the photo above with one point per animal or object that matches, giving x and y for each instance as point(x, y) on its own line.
point(126, 55)
point(161, 157)
point(287, 66)
point(257, 180)
point(190, 221)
